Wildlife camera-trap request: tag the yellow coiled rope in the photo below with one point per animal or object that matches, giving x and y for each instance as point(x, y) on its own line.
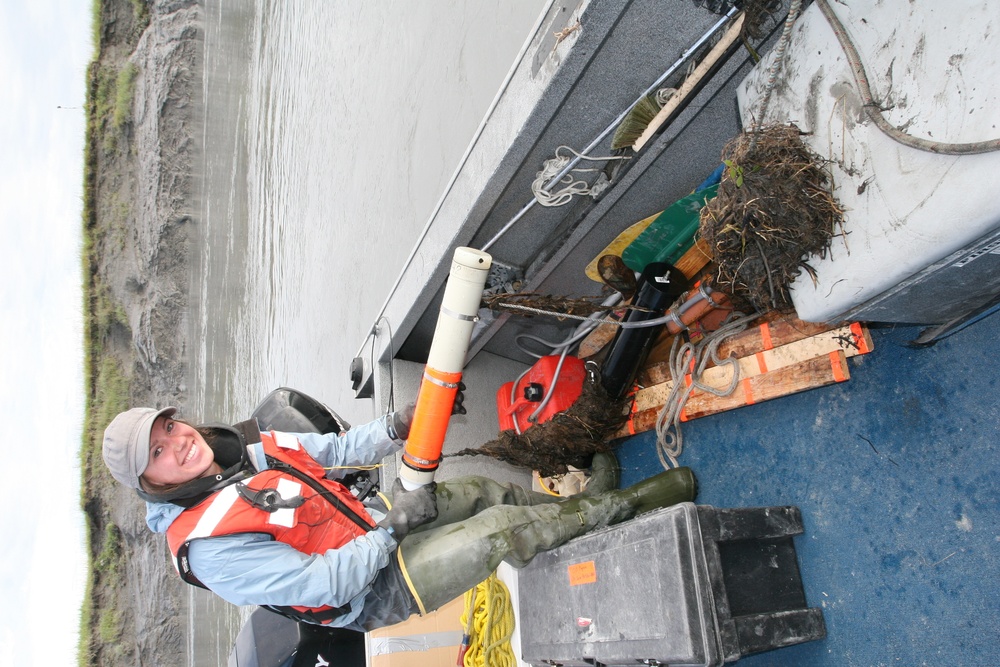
point(489, 624)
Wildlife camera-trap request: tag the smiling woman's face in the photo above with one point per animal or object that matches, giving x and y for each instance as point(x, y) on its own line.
point(177, 454)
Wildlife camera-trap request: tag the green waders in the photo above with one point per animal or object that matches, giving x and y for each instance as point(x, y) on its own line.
point(481, 523)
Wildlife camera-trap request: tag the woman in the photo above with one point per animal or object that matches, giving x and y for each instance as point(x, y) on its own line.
point(259, 519)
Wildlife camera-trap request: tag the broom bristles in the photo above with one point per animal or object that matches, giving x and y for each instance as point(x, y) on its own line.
point(635, 123)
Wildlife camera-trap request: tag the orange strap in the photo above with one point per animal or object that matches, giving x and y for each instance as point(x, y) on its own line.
point(838, 370)
point(687, 383)
point(761, 362)
point(765, 336)
point(747, 391)
point(631, 416)
point(859, 338)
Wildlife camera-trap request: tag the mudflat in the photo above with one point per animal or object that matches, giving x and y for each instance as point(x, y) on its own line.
point(137, 269)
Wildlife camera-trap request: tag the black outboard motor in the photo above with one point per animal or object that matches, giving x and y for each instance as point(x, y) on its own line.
point(271, 640)
point(268, 639)
point(292, 411)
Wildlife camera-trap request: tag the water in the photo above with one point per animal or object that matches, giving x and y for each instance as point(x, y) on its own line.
point(330, 132)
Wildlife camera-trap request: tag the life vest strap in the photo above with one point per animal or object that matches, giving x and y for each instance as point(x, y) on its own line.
point(277, 464)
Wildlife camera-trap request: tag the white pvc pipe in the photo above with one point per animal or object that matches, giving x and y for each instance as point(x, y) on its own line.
point(459, 310)
point(445, 361)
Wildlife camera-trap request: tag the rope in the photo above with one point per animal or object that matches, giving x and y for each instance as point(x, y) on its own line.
point(489, 622)
point(671, 316)
point(663, 95)
point(571, 185)
point(779, 56)
point(691, 358)
point(874, 110)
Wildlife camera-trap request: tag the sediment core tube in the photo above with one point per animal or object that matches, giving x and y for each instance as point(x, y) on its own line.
point(445, 361)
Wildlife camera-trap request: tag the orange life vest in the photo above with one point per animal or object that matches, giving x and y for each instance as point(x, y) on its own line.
point(291, 501)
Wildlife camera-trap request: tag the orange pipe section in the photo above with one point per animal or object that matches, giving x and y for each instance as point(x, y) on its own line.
point(435, 401)
point(699, 310)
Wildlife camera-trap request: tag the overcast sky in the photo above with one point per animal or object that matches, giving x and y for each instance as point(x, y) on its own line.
point(44, 49)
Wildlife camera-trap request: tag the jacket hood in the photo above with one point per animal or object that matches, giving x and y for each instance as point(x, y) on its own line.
point(159, 516)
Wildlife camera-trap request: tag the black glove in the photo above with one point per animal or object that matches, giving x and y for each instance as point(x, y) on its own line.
point(409, 509)
point(458, 408)
point(402, 419)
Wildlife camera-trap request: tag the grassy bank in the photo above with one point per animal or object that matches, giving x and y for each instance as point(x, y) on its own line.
point(110, 87)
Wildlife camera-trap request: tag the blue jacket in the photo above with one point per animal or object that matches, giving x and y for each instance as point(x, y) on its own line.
point(252, 569)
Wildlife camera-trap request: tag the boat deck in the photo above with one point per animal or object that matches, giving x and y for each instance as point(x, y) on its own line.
point(896, 473)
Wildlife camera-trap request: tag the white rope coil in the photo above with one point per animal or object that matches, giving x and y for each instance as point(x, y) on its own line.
point(549, 176)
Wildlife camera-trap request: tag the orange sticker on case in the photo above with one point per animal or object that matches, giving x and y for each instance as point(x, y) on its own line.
point(582, 573)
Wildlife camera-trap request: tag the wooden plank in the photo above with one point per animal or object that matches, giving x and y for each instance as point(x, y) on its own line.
point(809, 374)
point(766, 336)
point(688, 87)
point(694, 259)
point(853, 339)
point(595, 341)
point(771, 335)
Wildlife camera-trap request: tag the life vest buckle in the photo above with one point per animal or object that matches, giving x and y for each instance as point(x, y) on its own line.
point(268, 499)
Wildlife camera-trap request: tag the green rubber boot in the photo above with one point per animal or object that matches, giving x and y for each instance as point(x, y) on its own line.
point(464, 497)
point(443, 562)
point(605, 474)
point(665, 489)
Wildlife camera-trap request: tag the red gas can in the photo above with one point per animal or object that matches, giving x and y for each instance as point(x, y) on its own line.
point(518, 403)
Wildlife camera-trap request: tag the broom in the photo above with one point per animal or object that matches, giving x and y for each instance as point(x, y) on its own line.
point(636, 122)
point(692, 83)
point(648, 114)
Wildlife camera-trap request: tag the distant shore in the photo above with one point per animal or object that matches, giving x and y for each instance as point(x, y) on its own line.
point(143, 108)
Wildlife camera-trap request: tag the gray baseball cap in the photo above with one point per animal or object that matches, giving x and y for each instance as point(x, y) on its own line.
point(126, 443)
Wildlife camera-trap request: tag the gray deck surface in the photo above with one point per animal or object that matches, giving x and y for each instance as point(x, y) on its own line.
point(897, 473)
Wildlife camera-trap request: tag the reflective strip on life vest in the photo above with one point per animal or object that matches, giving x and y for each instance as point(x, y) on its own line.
point(285, 516)
point(285, 440)
point(213, 515)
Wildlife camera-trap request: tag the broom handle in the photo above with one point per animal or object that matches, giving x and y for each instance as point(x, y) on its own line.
point(690, 83)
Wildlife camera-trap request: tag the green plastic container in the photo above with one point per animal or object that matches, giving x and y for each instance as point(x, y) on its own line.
point(672, 233)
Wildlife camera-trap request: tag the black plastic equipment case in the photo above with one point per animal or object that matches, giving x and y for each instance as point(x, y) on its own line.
point(685, 585)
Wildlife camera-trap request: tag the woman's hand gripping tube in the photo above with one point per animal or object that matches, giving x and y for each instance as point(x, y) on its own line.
point(458, 315)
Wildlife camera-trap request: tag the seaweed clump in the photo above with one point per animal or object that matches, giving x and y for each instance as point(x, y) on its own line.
point(532, 303)
point(774, 209)
point(569, 438)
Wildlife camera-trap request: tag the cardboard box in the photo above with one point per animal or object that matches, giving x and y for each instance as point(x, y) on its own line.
point(420, 641)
